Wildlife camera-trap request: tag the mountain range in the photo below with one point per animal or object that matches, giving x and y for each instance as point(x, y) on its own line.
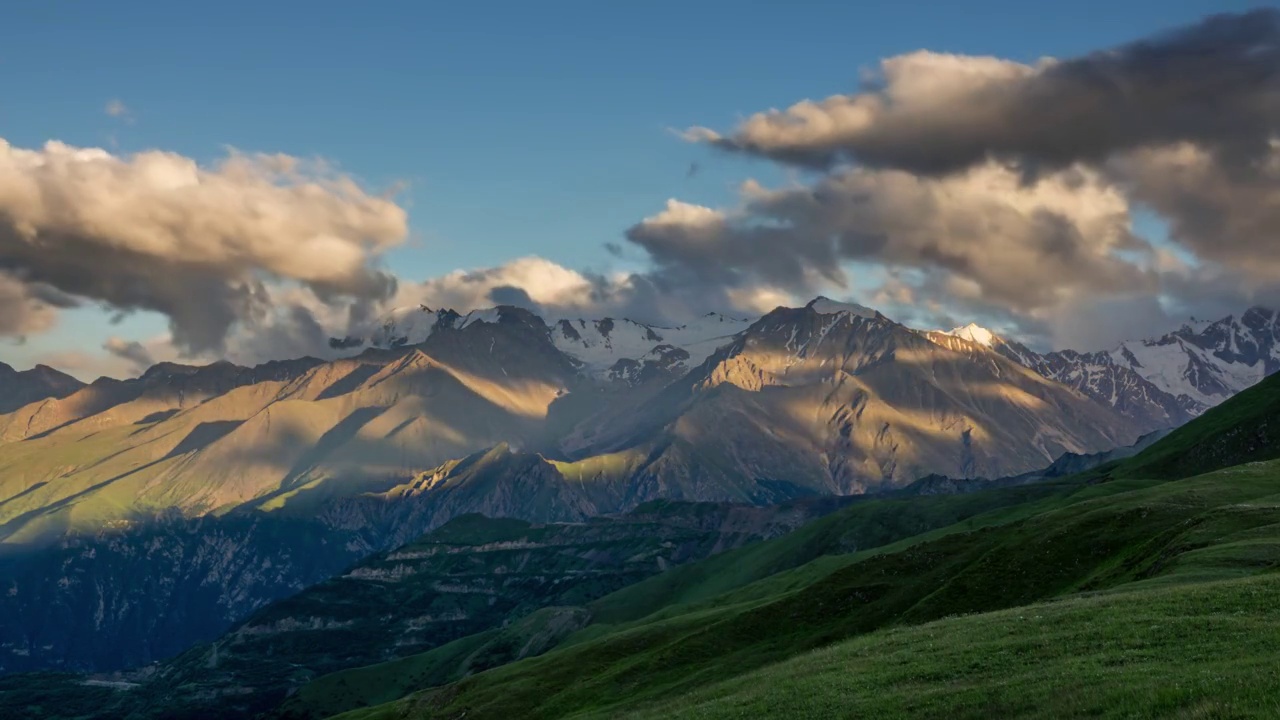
point(186, 479)
point(1154, 569)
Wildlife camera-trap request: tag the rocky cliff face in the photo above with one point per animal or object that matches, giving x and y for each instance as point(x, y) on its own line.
point(466, 577)
point(1207, 362)
point(127, 599)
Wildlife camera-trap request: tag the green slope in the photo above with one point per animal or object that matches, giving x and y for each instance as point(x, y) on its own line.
point(1245, 428)
point(1101, 537)
point(824, 541)
point(361, 687)
point(1190, 651)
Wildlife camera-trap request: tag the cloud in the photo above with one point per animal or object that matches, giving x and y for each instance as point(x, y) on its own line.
point(994, 237)
point(28, 308)
point(542, 283)
point(1221, 214)
point(947, 188)
point(1212, 84)
point(556, 292)
point(117, 109)
point(201, 245)
point(131, 351)
point(988, 187)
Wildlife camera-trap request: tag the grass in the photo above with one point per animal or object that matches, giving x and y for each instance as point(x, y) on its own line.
point(792, 558)
point(384, 682)
point(1140, 535)
point(1189, 651)
point(870, 524)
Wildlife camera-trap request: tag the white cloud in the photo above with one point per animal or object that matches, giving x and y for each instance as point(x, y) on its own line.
point(117, 109)
point(156, 231)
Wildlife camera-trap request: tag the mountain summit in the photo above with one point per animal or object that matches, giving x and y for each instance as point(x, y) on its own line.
point(975, 333)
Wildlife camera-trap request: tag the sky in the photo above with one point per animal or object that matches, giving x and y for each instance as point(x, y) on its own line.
point(497, 131)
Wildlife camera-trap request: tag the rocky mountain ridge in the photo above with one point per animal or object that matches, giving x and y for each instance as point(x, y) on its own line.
point(19, 388)
point(1162, 381)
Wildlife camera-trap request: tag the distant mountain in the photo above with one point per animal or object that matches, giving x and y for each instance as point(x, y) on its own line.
point(836, 398)
point(615, 349)
point(1208, 362)
point(120, 600)
point(28, 386)
point(829, 398)
point(496, 412)
point(1067, 464)
point(165, 388)
point(471, 575)
point(1160, 382)
point(1096, 375)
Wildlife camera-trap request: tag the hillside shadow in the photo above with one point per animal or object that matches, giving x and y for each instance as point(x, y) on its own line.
point(203, 435)
point(337, 436)
point(349, 382)
point(158, 416)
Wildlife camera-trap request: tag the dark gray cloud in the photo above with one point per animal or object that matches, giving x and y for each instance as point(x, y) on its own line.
point(1220, 213)
point(1215, 84)
point(26, 308)
point(131, 351)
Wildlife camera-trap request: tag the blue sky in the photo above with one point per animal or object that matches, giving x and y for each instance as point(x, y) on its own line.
point(522, 128)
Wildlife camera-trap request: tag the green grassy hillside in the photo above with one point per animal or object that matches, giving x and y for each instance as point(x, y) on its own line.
point(1187, 651)
point(1245, 428)
point(1130, 534)
point(823, 542)
point(360, 687)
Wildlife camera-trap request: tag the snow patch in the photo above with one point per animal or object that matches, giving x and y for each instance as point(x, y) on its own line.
point(490, 315)
point(975, 333)
point(600, 344)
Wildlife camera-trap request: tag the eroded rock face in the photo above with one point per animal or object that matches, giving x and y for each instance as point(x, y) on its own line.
point(470, 575)
point(128, 599)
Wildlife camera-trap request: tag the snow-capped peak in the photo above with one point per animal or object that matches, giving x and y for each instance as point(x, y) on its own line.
point(826, 306)
point(488, 315)
point(600, 344)
point(973, 332)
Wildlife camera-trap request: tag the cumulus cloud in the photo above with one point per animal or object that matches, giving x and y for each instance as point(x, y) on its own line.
point(995, 237)
point(1008, 190)
point(530, 281)
point(946, 188)
point(156, 231)
point(1212, 84)
point(1221, 214)
point(556, 291)
point(27, 308)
